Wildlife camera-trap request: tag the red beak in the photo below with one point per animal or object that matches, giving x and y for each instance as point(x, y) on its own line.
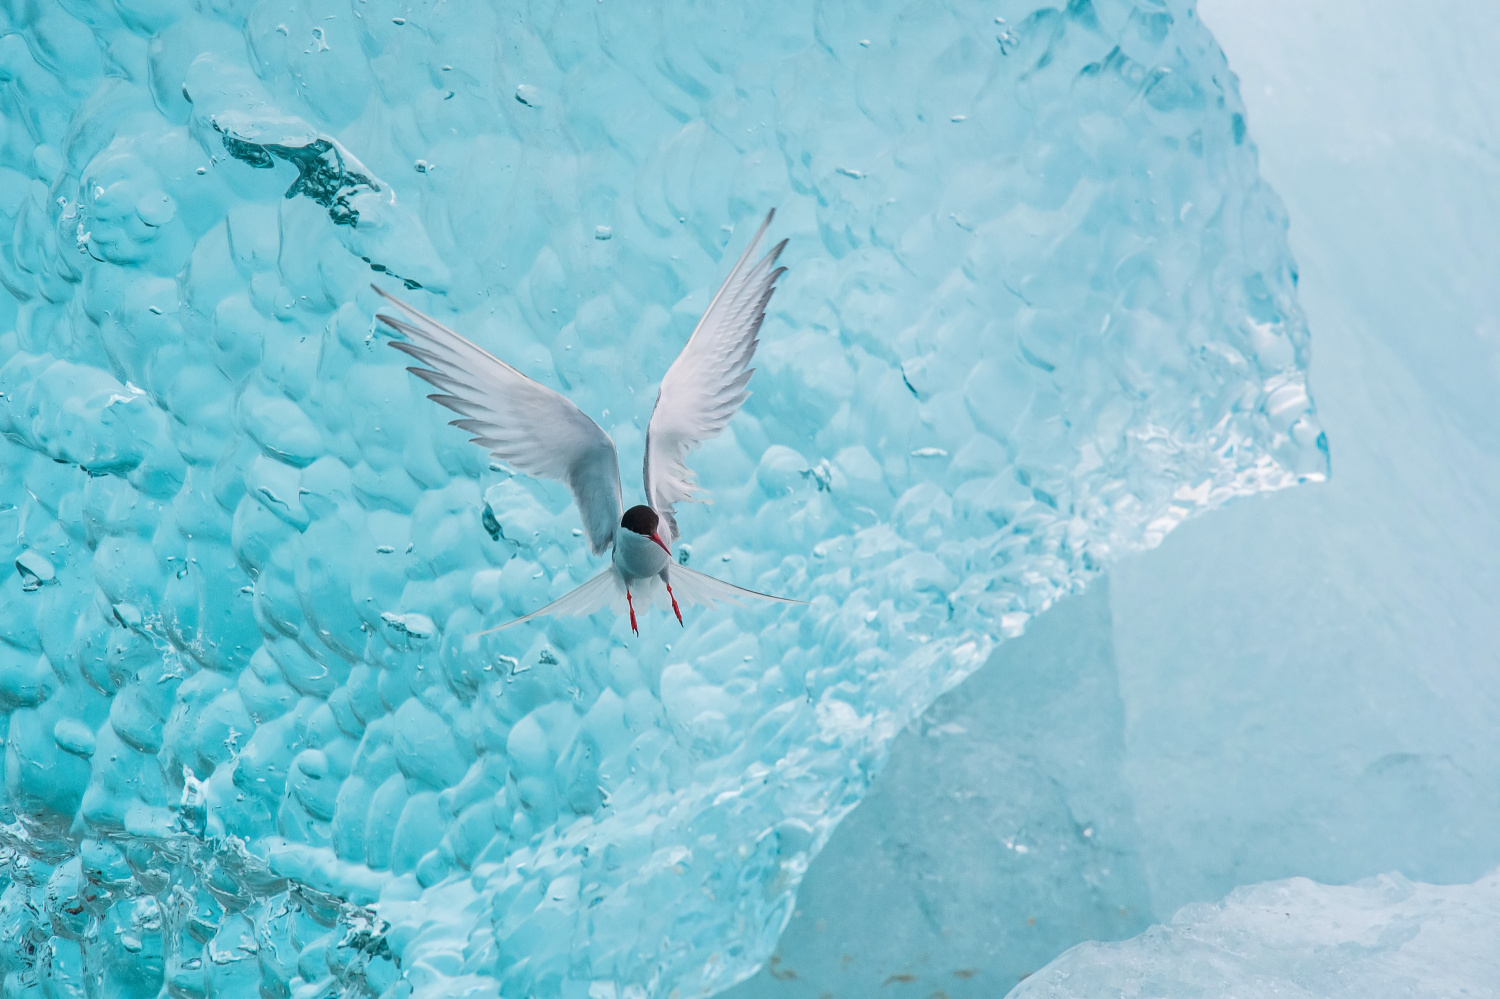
point(658, 540)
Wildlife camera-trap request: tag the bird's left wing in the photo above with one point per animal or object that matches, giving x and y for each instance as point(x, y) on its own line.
point(705, 386)
point(693, 587)
point(515, 419)
point(581, 601)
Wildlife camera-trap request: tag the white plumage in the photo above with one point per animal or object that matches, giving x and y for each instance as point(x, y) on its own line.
point(519, 421)
point(706, 385)
point(538, 431)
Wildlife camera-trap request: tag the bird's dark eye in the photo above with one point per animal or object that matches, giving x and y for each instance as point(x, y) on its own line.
point(640, 519)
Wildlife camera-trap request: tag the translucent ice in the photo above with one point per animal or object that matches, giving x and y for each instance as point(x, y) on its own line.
point(1000, 832)
point(1303, 684)
point(1384, 937)
point(1040, 311)
point(1344, 725)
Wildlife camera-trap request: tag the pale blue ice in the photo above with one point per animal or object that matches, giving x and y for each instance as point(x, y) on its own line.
point(1380, 938)
point(1302, 684)
point(1040, 312)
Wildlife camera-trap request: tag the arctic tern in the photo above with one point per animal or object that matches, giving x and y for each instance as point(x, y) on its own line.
point(537, 431)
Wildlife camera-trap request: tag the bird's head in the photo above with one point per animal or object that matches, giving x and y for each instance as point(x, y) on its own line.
point(644, 521)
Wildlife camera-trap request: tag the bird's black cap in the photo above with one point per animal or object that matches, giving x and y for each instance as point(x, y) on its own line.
point(640, 519)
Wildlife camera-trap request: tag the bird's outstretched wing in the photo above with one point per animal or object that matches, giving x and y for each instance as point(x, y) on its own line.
point(521, 422)
point(694, 587)
point(706, 384)
point(581, 601)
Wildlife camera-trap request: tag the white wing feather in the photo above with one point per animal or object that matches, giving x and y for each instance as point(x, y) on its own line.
point(694, 587)
point(519, 421)
point(705, 386)
point(581, 601)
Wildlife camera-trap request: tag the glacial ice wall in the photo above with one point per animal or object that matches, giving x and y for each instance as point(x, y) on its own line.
point(1040, 310)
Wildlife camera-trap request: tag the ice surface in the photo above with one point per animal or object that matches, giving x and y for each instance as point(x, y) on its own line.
point(1040, 311)
point(1302, 684)
point(1382, 938)
point(1000, 833)
point(1339, 723)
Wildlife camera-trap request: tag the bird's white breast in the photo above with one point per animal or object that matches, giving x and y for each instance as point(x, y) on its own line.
point(636, 557)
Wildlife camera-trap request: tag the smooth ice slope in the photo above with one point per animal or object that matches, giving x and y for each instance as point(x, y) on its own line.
point(999, 834)
point(1383, 938)
point(1302, 684)
point(1040, 312)
point(1326, 707)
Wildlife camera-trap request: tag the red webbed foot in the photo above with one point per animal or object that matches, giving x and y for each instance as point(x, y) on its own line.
point(631, 604)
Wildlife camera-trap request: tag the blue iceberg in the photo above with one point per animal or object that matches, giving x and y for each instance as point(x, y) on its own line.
point(1040, 311)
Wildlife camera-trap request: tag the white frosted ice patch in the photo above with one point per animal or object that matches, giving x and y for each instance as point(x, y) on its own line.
point(1381, 938)
point(1039, 311)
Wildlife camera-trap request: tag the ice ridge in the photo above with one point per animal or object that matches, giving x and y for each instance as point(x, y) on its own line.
point(1039, 311)
point(1380, 938)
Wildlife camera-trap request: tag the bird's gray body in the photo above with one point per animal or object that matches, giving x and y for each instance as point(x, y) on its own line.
point(637, 558)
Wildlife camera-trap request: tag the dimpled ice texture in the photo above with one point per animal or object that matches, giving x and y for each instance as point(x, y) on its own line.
point(1039, 311)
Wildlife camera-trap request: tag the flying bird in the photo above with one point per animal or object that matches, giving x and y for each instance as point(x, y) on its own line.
point(537, 431)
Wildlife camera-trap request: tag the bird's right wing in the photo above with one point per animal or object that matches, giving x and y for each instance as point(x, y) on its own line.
point(705, 386)
point(694, 587)
point(581, 601)
point(521, 422)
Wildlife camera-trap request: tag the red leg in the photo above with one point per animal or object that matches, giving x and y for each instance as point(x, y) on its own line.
point(631, 604)
point(674, 604)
